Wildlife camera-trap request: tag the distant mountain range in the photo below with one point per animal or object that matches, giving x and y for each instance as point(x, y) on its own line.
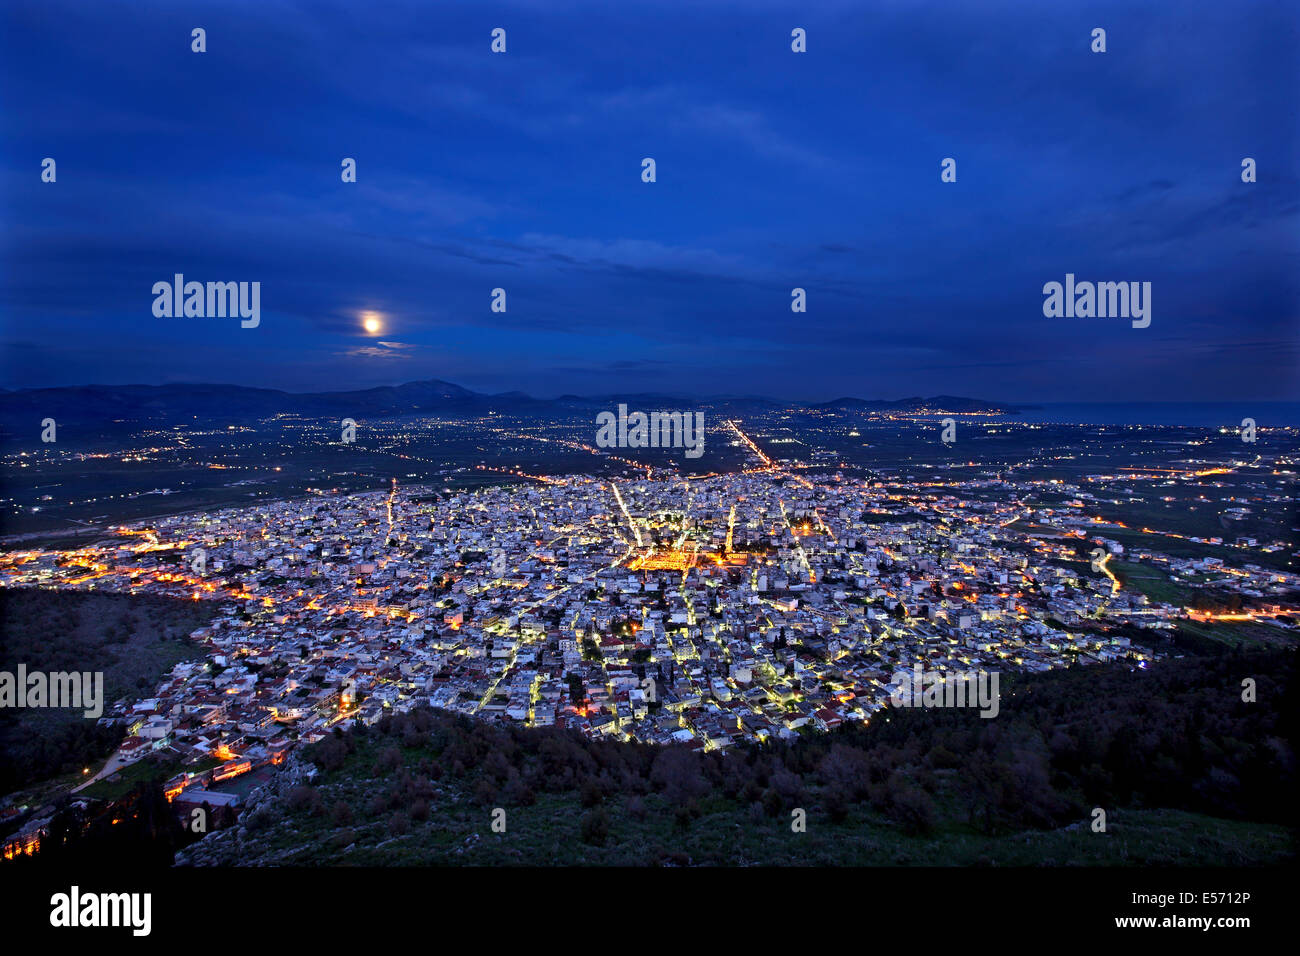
point(176, 403)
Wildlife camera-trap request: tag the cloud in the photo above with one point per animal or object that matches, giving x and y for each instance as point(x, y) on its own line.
point(381, 350)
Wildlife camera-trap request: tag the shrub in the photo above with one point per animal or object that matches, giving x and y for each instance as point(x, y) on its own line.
point(595, 826)
point(636, 809)
point(399, 823)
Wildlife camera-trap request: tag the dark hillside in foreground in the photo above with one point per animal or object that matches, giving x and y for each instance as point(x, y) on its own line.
point(1186, 771)
point(134, 639)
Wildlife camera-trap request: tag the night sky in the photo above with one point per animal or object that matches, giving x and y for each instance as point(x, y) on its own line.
point(775, 170)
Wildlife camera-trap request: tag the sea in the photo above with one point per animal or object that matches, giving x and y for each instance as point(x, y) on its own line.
point(1189, 414)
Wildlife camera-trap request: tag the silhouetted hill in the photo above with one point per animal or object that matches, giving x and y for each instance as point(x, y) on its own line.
point(133, 405)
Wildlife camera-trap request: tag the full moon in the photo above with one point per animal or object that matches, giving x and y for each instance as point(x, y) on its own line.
point(371, 323)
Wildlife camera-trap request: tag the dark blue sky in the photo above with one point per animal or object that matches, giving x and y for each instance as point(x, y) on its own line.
point(775, 170)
